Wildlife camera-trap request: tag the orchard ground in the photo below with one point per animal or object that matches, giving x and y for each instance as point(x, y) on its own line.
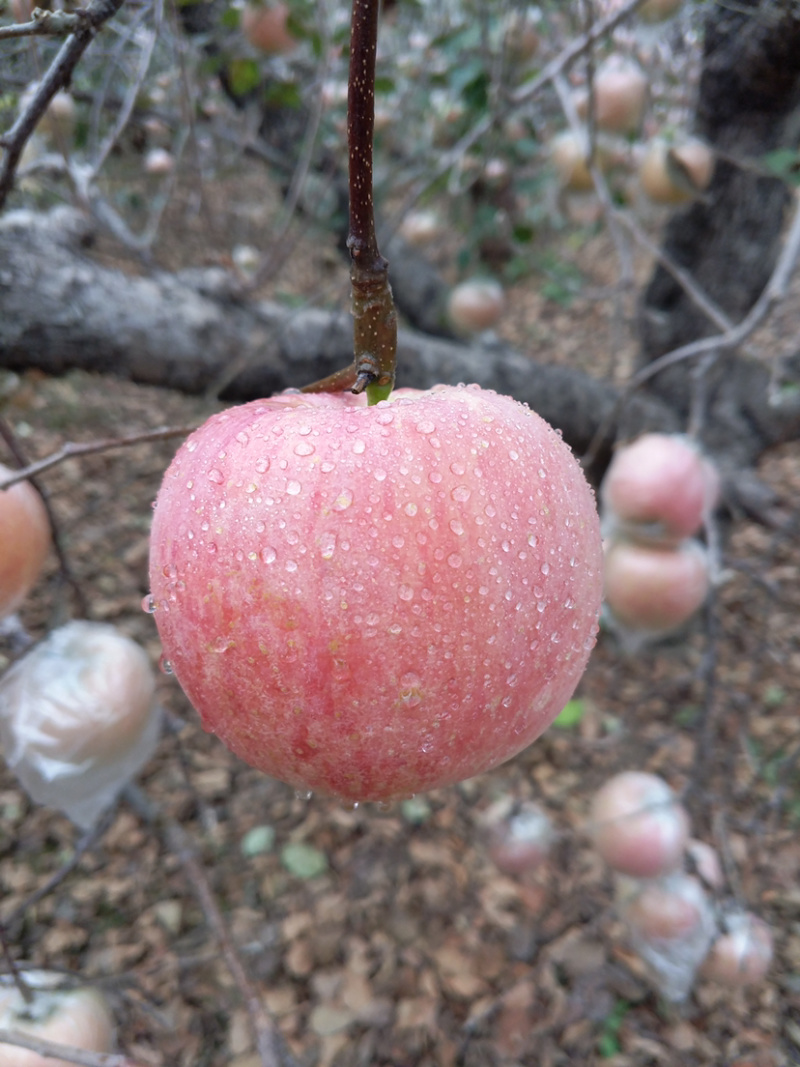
point(410, 947)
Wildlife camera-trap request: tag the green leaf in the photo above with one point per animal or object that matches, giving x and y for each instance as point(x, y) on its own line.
point(258, 840)
point(570, 715)
point(244, 75)
point(304, 861)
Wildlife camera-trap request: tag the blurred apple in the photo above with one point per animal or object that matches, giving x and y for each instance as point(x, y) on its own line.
point(266, 27)
point(476, 305)
point(655, 590)
point(638, 825)
point(25, 537)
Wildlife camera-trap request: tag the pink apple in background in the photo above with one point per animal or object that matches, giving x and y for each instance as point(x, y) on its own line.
point(78, 718)
point(620, 96)
point(421, 228)
point(374, 601)
point(661, 481)
point(25, 541)
point(475, 305)
point(743, 953)
point(638, 825)
point(266, 27)
point(80, 1018)
point(654, 590)
point(518, 839)
point(667, 909)
point(676, 173)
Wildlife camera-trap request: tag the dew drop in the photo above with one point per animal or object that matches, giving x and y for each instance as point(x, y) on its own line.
point(262, 465)
point(379, 475)
point(215, 476)
point(291, 565)
point(405, 592)
point(221, 644)
point(165, 666)
point(410, 509)
point(211, 547)
point(242, 438)
point(327, 545)
point(304, 430)
point(458, 468)
point(303, 794)
point(304, 448)
point(359, 447)
point(533, 540)
point(149, 604)
point(293, 488)
point(268, 555)
point(457, 527)
point(454, 560)
point(251, 487)
point(343, 500)
point(545, 568)
point(461, 493)
point(395, 629)
point(426, 426)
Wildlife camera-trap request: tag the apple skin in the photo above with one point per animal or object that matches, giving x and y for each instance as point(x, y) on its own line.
point(374, 601)
point(25, 537)
point(638, 826)
point(662, 481)
point(80, 1018)
point(655, 590)
point(266, 27)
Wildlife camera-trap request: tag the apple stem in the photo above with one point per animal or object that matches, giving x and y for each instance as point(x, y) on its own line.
point(375, 319)
point(374, 316)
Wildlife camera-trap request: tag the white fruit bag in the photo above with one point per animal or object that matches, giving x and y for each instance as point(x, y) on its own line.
point(78, 718)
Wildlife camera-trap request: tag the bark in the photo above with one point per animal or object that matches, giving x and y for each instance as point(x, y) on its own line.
point(730, 240)
point(191, 331)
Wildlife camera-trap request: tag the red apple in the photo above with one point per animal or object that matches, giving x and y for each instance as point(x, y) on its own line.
point(475, 305)
point(661, 481)
point(77, 717)
point(668, 909)
point(654, 590)
point(638, 826)
point(743, 954)
point(25, 540)
point(374, 601)
point(676, 173)
point(266, 27)
point(620, 96)
point(79, 1018)
point(518, 841)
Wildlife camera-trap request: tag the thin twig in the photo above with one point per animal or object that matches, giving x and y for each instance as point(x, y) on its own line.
point(45, 24)
point(774, 292)
point(57, 77)
point(52, 1050)
point(70, 450)
point(268, 1041)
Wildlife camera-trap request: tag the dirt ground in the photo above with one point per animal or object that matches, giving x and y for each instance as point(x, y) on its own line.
point(403, 944)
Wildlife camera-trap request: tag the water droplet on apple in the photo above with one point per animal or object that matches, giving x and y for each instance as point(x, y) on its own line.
point(343, 500)
point(304, 430)
point(216, 476)
point(410, 509)
point(454, 560)
point(405, 592)
point(303, 794)
point(359, 447)
point(221, 644)
point(149, 604)
point(291, 565)
point(191, 446)
point(304, 448)
point(293, 488)
point(165, 666)
point(242, 438)
point(327, 545)
point(395, 629)
point(545, 568)
point(461, 493)
point(262, 465)
point(211, 547)
point(457, 527)
point(458, 468)
point(268, 554)
point(542, 472)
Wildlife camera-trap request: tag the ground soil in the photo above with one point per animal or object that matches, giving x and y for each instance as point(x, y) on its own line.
point(411, 947)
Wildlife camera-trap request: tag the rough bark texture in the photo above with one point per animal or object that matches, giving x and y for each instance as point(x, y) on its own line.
point(730, 241)
point(59, 309)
